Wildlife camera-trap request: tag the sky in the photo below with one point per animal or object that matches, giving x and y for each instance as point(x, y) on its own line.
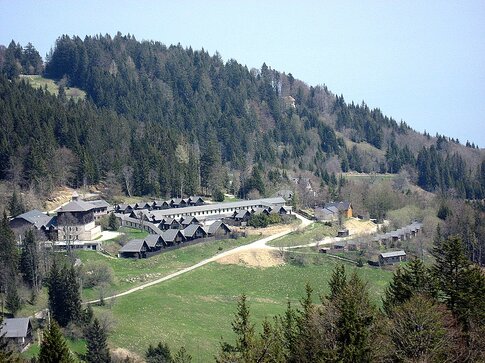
point(422, 62)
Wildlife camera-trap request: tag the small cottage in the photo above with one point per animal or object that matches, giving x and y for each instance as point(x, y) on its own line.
point(390, 258)
point(17, 331)
point(136, 248)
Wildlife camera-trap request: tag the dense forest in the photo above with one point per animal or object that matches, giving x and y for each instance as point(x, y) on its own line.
point(167, 121)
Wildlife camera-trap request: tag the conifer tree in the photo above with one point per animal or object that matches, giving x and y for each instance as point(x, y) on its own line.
point(64, 295)
point(414, 278)
point(158, 354)
point(53, 348)
point(97, 348)
point(16, 205)
point(337, 282)
point(12, 300)
point(29, 262)
point(182, 356)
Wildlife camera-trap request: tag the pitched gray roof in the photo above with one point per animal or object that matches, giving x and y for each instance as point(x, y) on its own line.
point(170, 234)
point(100, 203)
point(76, 206)
point(265, 202)
point(191, 229)
point(151, 240)
point(214, 227)
point(37, 218)
point(135, 245)
point(393, 254)
point(341, 206)
point(15, 327)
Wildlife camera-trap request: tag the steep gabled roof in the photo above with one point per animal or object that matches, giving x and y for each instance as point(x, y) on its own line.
point(170, 234)
point(135, 245)
point(36, 218)
point(15, 327)
point(191, 229)
point(152, 240)
point(76, 206)
point(214, 227)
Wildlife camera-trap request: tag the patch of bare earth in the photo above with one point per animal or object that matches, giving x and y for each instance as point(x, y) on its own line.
point(121, 354)
point(357, 227)
point(267, 231)
point(254, 258)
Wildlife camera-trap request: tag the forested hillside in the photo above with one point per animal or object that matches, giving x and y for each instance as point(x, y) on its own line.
point(170, 120)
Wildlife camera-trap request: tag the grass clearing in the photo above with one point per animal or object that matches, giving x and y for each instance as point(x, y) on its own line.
point(196, 309)
point(313, 233)
point(130, 273)
point(38, 81)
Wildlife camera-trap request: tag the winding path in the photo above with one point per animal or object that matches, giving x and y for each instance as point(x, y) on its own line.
point(259, 244)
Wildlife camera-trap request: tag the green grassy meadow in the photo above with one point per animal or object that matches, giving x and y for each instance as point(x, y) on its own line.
point(133, 272)
point(312, 233)
point(196, 309)
point(38, 81)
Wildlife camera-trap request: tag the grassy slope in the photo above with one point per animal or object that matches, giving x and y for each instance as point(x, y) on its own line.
point(196, 309)
point(133, 272)
point(39, 82)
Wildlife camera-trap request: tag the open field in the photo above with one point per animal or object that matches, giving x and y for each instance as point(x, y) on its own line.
point(37, 81)
point(313, 233)
point(196, 309)
point(130, 273)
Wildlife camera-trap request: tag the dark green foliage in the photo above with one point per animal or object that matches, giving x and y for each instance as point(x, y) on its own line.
point(53, 348)
point(217, 196)
point(8, 253)
point(97, 347)
point(16, 205)
point(461, 282)
point(262, 220)
point(12, 299)
point(412, 279)
point(355, 321)
point(113, 223)
point(418, 332)
point(64, 295)
point(337, 282)
point(182, 356)
point(30, 262)
point(159, 354)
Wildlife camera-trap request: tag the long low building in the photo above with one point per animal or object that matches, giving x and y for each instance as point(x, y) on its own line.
point(222, 209)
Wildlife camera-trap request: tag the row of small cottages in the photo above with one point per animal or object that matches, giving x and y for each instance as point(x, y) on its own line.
point(138, 248)
point(401, 234)
point(160, 204)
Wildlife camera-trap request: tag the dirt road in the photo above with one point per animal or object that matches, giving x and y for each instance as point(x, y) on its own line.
point(259, 244)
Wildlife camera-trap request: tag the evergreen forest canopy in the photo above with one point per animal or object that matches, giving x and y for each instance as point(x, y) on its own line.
point(170, 121)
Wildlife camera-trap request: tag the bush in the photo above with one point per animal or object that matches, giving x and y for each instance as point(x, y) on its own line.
point(217, 196)
point(262, 220)
point(97, 273)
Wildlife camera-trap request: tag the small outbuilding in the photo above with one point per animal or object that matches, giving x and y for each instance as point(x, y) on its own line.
point(218, 229)
point(17, 331)
point(194, 231)
point(136, 248)
point(390, 258)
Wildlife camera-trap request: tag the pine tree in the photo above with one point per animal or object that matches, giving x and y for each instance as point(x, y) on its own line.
point(64, 295)
point(8, 253)
point(5, 352)
point(113, 224)
point(461, 282)
point(29, 262)
point(414, 278)
point(182, 356)
point(337, 282)
point(356, 316)
point(12, 300)
point(159, 354)
point(97, 348)
point(53, 348)
point(16, 205)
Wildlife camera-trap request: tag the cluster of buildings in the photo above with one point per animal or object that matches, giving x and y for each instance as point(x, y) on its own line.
point(169, 223)
point(332, 211)
point(73, 225)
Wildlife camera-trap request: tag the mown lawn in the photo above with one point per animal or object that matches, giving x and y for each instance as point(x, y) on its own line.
point(313, 233)
point(196, 309)
point(133, 272)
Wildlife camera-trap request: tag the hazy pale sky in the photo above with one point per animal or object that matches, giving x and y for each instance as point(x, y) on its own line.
point(419, 61)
